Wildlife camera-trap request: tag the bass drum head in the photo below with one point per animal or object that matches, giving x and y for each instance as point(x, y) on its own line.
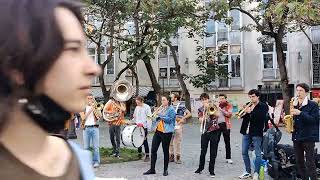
point(126, 135)
point(138, 137)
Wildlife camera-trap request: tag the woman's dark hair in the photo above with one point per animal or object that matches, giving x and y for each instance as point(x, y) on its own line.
point(204, 96)
point(139, 98)
point(304, 86)
point(30, 43)
point(168, 98)
point(254, 91)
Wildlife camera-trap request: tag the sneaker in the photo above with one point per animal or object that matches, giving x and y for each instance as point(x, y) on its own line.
point(198, 171)
point(229, 161)
point(245, 175)
point(255, 176)
point(171, 158)
point(96, 165)
point(150, 171)
point(212, 175)
point(178, 160)
point(146, 159)
point(165, 173)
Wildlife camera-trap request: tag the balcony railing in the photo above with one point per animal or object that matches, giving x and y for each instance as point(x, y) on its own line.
point(270, 74)
point(168, 83)
point(229, 84)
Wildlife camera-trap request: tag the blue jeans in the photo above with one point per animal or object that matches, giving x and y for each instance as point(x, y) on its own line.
point(256, 141)
point(91, 134)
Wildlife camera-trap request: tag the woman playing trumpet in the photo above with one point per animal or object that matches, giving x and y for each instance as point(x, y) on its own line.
point(164, 127)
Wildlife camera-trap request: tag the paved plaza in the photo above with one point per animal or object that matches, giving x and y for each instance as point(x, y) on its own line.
point(190, 158)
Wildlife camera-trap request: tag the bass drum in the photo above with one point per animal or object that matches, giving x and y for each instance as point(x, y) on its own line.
point(132, 136)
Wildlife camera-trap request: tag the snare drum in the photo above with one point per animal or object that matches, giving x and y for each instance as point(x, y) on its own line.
point(132, 136)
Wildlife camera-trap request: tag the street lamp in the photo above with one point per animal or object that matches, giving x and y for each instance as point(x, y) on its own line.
point(299, 61)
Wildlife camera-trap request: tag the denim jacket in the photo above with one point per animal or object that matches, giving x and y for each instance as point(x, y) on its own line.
point(84, 160)
point(169, 118)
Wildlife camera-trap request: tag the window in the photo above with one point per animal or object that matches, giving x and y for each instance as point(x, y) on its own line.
point(163, 52)
point(163, 73)
point(176, 49)
point(269, 55)
point(316, 63)
point(211, 28)
point(235, 65)
point(173, 73)
point(235, 14)
point(103, 57)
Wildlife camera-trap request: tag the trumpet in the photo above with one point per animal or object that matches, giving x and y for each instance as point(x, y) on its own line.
point(242, 112)
point(288, 119)
point(154, 115)
point(97, 108)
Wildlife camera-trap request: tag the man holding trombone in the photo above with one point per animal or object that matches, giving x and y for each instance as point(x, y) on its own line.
point(255, 122)
point(208, 117)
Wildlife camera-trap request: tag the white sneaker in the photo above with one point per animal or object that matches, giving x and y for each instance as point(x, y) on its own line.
point(245, 175)
point(255, 176)
point(229, 161)
point(96, 165)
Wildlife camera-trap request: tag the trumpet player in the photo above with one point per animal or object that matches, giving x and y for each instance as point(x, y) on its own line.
point(306, 133)
point(210, 134)
point(115, 107)
point(255, 122)
point(90, 128)
point(164, 127)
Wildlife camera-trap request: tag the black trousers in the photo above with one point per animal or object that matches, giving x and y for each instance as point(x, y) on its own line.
point(115, 132)
point(306, 168)
point(165, 139)
point(145, 143)
point(212, 137)
point(226, 136)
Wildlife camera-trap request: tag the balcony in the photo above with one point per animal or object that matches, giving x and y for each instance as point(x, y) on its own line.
point(168, 83)
point(233, 83)
point(270, 75)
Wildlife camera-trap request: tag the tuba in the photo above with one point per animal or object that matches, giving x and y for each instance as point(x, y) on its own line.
point(121, 91)
point(288, 119)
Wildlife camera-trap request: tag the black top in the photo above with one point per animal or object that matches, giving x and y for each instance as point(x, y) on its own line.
point(257, 120)
point(306, 125)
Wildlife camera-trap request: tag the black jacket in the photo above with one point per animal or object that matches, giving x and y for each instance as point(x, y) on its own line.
point(257, 120)
point(306, 125)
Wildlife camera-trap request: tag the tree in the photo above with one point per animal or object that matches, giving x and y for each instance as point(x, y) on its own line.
point(273, 19)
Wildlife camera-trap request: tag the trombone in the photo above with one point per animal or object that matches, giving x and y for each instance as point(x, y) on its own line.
point(212, 109)
point(155, 115)
point(242, 112)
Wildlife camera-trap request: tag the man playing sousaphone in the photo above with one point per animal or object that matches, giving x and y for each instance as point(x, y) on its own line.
point(115, 110)
point(182, 113)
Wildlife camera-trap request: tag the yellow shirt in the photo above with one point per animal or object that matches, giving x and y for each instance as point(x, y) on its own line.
point(160, 126)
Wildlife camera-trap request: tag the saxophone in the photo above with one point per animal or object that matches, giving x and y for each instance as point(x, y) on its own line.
point(288, 119)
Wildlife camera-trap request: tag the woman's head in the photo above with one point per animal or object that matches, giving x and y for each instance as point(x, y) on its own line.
point(165, 100)
point(42, 51)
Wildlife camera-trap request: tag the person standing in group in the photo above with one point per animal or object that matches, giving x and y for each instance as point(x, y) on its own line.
point(90, 127)
point(255, 122)
point(210, 133)
point(224, 122)
point(182, 113)
point(117, 110)
point(45, 76)
point(140, 116)
point(306, 132)
point(164, 127)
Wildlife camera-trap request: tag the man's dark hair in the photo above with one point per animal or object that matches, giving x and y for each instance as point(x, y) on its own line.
point(254, 91)
point(139, 98)
point(204, 96)
point(176, 95)
point(304, 86)
point(224, 95)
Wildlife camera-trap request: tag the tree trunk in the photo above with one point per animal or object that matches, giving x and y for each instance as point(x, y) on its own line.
point(283, 72)
point(101, 76)
point(155, 85)
point(183, 85)
point(137, 80)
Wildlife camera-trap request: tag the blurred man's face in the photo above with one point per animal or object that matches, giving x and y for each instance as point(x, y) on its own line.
point(205, 101)
point(254, 98)
point(301, 93)
point(222, 99)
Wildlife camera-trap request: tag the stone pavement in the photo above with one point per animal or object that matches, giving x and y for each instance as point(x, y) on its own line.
point(190, 158)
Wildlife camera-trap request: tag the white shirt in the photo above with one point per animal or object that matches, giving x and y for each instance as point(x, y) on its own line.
point(90, 117)
point(141, 114)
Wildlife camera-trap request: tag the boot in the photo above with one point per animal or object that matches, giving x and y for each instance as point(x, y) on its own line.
point(171, 158)
point(147, 158)
point(178, 160)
